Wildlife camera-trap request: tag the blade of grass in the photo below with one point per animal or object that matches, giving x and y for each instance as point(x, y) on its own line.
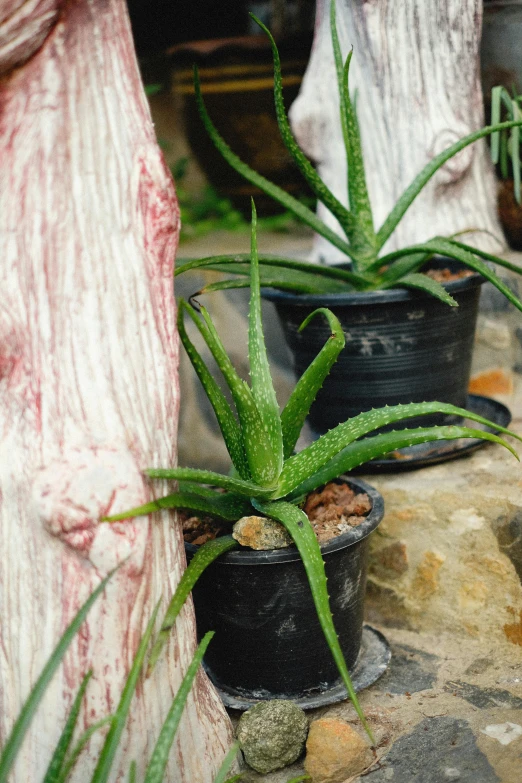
point(55, 766)
point(298, 526)
point(305, 391)
point(82, 742)
point(496, 102)
point(132, 772)
point(412, 191)
point(205, 555)
point(160, 755)
point(227, 763)
point(21, 724)
point(110, 746)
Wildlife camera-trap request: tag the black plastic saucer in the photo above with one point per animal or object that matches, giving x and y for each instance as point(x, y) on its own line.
point(372, 662)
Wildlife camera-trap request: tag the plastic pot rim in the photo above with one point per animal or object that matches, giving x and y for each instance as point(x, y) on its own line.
point(248, 557)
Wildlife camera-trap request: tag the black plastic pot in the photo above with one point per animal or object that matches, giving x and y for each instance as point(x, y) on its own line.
point(401, 347)
point(268, 641)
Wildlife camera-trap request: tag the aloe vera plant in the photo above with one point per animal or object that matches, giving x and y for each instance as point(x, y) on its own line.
point(362, 242)
point(267, 477)
point(505, 144)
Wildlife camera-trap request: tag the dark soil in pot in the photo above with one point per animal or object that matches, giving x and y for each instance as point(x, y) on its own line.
point(268, 641)
point(401, 346)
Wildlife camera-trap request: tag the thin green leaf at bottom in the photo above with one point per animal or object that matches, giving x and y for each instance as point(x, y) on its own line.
point(205, 555)
point(13, 742)
point(55, 766)
point(110, 746)
point(227, 763)
point(298, 526)
point(158, 763)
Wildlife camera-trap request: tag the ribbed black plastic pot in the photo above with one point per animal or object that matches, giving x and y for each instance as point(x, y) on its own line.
point(401, 346)
point(268, 641)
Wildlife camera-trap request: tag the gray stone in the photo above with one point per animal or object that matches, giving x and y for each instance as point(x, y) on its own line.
point(438, 750)
point(484, 698)
point(272, 735)
point(410, 671)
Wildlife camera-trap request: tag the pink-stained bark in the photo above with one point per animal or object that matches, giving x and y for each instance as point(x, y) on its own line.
point(88, 384)
point(415, 69)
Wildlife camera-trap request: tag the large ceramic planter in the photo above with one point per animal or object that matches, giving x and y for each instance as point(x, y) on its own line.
point(401, 347)
point(268, 641)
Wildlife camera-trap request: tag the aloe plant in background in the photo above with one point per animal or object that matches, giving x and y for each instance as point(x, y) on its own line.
point(505, 144)
point(362, 243)
point(267, 477)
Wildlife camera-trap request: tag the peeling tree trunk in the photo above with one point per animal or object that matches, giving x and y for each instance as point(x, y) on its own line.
point(416, 71)
point(88, 383)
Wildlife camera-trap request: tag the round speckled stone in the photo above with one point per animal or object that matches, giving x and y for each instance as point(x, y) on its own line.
point(272, 735)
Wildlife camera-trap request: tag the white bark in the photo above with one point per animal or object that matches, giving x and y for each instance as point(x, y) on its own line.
point(416, 70)
point(88, 384)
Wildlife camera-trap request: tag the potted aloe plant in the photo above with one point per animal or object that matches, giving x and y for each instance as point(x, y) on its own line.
point(255, 600)
point(408, 339)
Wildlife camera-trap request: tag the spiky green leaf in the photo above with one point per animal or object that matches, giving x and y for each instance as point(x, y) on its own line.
point(318, 187)
point(227, 422)
point(278, 194)
point(401, 267)
point(158, 763)
point(205, 555)
point(363, 451)
point(263, 464)
point(218, 504)
point(467, 256)
point(55, 766)
point(312, 459)
point(298, 526)
point(238, 486)
point(110, 746)
point(14, 740)
point(261, 379)
point(361, 235)
point(305, 391)
point(427, 285)
point(413, 190)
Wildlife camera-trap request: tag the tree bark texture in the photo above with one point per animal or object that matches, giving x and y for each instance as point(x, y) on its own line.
point(415, 69)
point(88, 386)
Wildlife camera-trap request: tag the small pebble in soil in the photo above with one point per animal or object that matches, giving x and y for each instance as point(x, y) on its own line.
point(272, 734)
point(260, 533)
